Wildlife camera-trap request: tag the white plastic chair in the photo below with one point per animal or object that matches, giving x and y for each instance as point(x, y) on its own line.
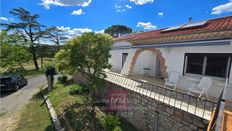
point(172, 79)
point(202, 87)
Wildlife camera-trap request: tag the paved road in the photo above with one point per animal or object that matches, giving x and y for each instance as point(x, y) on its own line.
point(11, 101)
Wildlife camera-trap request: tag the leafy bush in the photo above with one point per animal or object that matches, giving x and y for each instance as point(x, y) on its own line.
point(111, 123)
point(85, 88)
point(62, 79)
point(50, 70)
point(76, 89)
point(117, 128)
point(14, 51)
point(79, 117)
point(71, 115)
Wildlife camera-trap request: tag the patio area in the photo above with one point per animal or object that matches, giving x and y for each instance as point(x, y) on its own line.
point(161, 82)
point(189, 103)
point(212, 92)
point(154, 88)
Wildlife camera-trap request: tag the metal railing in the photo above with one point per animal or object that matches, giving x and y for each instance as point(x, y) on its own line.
point(216, 113)
point(216, 122)
point(186, 102)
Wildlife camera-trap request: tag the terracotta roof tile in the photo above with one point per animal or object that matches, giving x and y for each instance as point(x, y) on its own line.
point(214, 29)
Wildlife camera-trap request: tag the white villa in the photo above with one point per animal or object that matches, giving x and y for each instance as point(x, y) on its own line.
point(194, 50)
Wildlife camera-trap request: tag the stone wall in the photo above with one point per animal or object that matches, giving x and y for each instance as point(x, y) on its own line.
point(147, 114)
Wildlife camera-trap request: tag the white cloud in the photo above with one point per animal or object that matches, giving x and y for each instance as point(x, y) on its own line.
point(6, 19)
point(73, 32)
point(224, 8)
point(99, 31)
point(120, 10)
point(3, 18)
point(141, 2)
point(146, 26)
point(160, 14)
point(128, 6)
point(117, 6)
point(78, 12)
point(83, 3)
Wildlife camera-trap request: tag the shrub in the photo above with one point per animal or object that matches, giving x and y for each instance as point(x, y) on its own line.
point(111, 123)
point(78, 117)
point(62, 79)
point(76, 89)
point(117, 128)
point(50, 70)
point(71, 115)
point(85, 88)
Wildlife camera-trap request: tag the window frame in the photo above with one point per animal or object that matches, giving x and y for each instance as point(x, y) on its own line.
point(206, 55)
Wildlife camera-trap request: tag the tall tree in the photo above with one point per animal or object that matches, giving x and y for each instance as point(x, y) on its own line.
point(117, 30)
point(29, 27)
point(13, 51)
point(46, 51)
point(56, 35)
point(87, 54)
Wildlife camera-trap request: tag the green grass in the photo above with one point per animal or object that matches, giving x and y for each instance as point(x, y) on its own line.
point(26, 73)
point(2, 114)
point(70, 109)
point(74, 111)
point(29, 69)
point(60, 98)
point(35, 116)
point(64, 104)
point(31, 73)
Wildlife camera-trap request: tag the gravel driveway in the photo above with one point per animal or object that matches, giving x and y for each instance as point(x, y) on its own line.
point(11, 101)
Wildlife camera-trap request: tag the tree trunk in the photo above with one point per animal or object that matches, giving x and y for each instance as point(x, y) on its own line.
point(93, 113)
point(41, 62)
point(58, 47)
point(58, 42)
point(21, 66)
point(34, 58)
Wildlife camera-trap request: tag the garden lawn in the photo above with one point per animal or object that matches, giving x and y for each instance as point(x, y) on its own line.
point(29, 69)
point(35, 116)
point(60, 98)
point(61, 101)
point(74, 111)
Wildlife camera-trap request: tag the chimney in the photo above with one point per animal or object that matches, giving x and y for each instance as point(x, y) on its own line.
point(190, 20)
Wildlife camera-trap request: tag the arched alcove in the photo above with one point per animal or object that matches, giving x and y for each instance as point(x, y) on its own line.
point(158, 55)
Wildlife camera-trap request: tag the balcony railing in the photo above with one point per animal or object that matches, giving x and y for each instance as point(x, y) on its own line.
point(217, 119)
point(200, 107)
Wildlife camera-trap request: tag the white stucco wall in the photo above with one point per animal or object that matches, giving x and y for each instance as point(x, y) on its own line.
point(146, 59)
point(174, 60)
point(116, 56)
point(175, 56)
point(121, 43)
point(116, 59)
point(128, 61)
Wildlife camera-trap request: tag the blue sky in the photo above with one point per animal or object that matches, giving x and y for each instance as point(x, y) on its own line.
point(78, 16)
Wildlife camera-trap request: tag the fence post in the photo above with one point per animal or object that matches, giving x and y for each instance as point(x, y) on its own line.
point(221, 108)
point(49, 78)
